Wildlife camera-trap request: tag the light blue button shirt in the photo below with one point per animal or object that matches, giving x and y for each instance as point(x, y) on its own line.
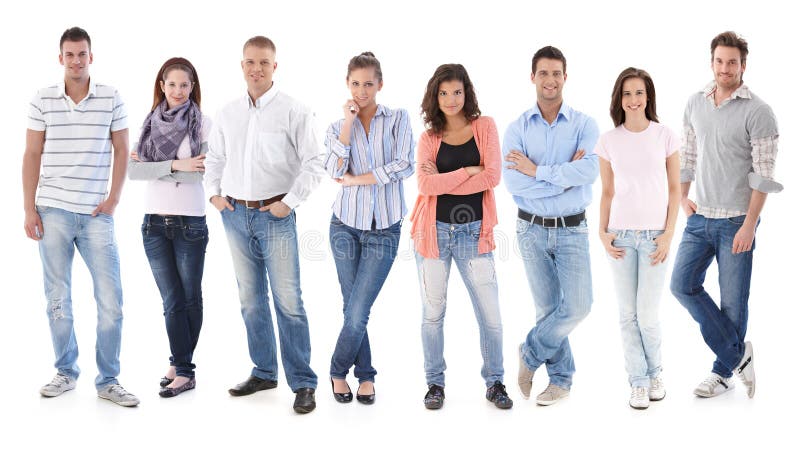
point(561, 187)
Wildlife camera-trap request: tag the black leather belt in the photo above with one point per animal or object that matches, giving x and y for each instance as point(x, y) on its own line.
point(552, 222)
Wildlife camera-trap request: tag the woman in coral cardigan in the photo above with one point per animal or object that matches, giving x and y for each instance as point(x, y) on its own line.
point(458, 165)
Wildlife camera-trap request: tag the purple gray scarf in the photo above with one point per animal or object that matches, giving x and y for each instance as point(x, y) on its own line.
point(164, 129)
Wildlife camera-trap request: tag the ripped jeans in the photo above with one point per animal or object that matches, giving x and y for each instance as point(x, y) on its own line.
point(63, 232)
point(459, 243)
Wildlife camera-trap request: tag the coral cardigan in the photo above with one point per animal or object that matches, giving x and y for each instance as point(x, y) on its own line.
point(423, 217)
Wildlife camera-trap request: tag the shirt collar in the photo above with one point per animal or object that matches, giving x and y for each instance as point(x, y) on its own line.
point(264, 99)
point(742, 92)
point(564, 111)
point(383, 111)
point(62, 88)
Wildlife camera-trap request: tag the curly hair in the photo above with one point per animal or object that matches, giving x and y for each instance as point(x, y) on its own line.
point(432, 115)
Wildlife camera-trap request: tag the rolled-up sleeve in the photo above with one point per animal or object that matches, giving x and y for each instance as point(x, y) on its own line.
point(336, 151)
point(402, 164)
point(764, 153)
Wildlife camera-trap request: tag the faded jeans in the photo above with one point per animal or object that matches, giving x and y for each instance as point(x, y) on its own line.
point(459, 243)
point(559, 274)
point(263, 245)
point(65, 231)
point(363, 260)
point(639, 285)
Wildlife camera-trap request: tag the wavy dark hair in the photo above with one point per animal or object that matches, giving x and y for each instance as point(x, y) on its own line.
point(432, 115)
point(365, 60)
point(170, 65)
point(616, 111)
point(730, 39)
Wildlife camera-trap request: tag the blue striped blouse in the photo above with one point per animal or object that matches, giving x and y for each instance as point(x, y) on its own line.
point(387, 153)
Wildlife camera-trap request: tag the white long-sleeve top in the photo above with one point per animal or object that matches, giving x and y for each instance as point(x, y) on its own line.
point(257, 151)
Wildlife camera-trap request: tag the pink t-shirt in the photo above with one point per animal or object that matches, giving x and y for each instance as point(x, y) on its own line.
point(640, 175)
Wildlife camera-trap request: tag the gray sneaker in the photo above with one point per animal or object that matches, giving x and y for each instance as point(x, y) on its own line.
point(57, 386)
point(551, 394)
point(746, 370)
point(714, 385)
point(524, 376)
point(116, 394)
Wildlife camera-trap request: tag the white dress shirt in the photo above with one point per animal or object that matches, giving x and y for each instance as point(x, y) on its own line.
point(257, 151)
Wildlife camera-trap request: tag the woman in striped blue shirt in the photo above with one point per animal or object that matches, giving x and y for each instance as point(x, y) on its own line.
point(369, 152)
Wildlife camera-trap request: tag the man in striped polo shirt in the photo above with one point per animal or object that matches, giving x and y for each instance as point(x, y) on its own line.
point(72, 127)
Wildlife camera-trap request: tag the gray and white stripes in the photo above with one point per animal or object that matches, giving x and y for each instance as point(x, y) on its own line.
point(76, 159)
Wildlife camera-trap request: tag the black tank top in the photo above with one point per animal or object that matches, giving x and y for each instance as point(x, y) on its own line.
point(452, 208)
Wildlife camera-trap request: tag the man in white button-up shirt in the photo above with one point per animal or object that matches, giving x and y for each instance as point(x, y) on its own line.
point(263, 161)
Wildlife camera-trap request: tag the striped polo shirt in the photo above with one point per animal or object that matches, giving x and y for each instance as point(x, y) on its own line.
point(76, 159)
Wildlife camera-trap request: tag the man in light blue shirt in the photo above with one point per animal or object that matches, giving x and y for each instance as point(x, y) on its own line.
point(550, 166)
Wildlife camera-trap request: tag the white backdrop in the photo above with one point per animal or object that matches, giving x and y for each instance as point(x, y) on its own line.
point(495, 41)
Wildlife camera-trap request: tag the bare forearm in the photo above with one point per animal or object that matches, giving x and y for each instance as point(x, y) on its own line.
point(757, 200)
point(31, 163)
point(605, 210)
point(685, 187)
point(365, 179)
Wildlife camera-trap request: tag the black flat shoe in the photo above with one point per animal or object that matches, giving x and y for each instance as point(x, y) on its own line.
point(304, 400)
point(252, 385)
point(343, 397)
point(165, 381)
point(366, 399)
point(168, 392)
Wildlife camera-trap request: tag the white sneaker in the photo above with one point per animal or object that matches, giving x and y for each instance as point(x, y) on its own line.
point(657, 389)
point(746, 370)
point(116, 394)
point(714, 385)
point(639, 398)
point(551, 394)
point(57, 386)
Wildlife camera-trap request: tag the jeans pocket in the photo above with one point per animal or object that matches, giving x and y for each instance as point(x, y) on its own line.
point(582, 228)
point(522, 226)
point(194, 233)
point(739, 221)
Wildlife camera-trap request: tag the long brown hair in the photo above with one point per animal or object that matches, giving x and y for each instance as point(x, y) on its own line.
point(432, 115)
point(170, 65)
point(617, 113)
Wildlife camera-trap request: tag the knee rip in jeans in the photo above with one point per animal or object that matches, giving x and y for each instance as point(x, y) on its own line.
point(56, 310)
point(432, 284)
point(481, 271)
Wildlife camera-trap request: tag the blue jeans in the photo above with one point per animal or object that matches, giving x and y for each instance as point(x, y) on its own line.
point(363, 260)
point(559, 274)
point(724, 326)
point(176, 249)
point(94, 238)
point(639, 285)
point(264, 245)
point(459, 243)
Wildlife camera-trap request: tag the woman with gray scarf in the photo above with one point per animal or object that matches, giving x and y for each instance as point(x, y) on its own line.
point(170, 155)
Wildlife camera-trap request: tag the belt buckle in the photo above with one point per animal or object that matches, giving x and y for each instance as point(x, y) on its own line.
point(169, 220)
point(256, 206)
point(555, 222)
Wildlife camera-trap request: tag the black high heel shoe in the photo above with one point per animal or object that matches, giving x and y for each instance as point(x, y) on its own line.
point(342, 397)
point(366, 399)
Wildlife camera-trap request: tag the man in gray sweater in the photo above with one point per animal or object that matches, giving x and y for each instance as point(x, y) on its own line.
point(729, 149)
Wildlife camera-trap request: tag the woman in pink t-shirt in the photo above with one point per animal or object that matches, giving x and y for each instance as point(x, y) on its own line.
point(640, 171)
